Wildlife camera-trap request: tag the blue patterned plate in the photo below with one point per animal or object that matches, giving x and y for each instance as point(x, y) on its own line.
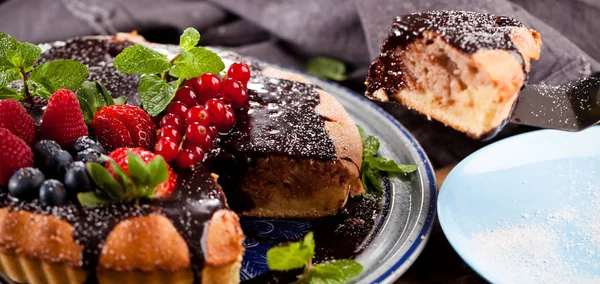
point(408, 208)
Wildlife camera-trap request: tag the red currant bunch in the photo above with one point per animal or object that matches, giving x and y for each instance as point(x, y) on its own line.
point(201, 108)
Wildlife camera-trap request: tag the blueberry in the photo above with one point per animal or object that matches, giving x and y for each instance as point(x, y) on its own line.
point(43, 150)
point(77, 179)
point(53, 193)
point(25, 183)
point(85, 142)
point(58, 163)
point(90, 155)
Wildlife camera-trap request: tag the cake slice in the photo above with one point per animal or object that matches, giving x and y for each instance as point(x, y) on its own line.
point(464, 69)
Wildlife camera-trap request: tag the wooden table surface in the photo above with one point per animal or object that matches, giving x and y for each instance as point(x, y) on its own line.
point(439, 263)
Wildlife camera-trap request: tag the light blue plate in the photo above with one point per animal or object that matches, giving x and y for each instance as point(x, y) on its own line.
point(527, 209)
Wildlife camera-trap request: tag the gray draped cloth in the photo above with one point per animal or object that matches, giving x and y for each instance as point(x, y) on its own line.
point(290, 32)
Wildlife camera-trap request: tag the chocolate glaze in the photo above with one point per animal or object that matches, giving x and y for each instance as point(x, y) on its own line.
point(189, 208)
point(465, 31)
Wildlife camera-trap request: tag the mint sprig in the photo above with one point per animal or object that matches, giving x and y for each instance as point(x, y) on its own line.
point(373, 166)
point(139, 183)
point(17, 61)
point(92, 97)
point(327, 68)
point(155, 67)
point(297, 255)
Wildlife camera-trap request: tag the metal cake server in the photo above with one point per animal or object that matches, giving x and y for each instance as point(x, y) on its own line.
point(572, 106)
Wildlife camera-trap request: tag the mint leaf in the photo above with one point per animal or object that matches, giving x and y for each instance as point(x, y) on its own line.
point(17, 55)
point(105, 181)
point(140, 60)
point(327, 68)
point(292, 256)
point(8, 75)
point(370, 146)
point(9, 93)
point(124, 180)
point(156, 94)
point(195, 62)
point(362, 133)
point(52, 76)
point(91, 199)
point(120, 100)
point(372, 178)
point(383, 164)
point(189, 39)
point(335, 272)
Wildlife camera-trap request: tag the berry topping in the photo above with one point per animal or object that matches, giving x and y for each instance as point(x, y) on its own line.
point(173, 120)
point(212, 131)
point(178, 108)
point(43, 150)
point(14, 154)
point(14, 117)
point(207, 86)
point(194, 148)
point(120, 157)
point(233, 92)
point(188, 159)
point(170, 133)
point(124, 125)
point(84, 143)
point(198, 134)
point(187, 96)
point(53, 193)
point(227, 123)
point(77, 179)
point(216, 110)
point(198, 115)
point(63, 120)
point(25, 183)
point(167, 148)
point(90, 155)
point(240, 72)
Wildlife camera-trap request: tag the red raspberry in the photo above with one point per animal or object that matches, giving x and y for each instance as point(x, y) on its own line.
point(197, 114)
point(167, 148)
point(206, 87)
point(239, 71)
point(14, 117)
point(216, 110)
point(173, 120)
point(63, 120)
point(187, 96)
point(177, 108)
point(14, 154)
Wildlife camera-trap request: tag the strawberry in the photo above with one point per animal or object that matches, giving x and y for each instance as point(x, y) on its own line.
point(124, 126)
point(14, 154)
point(120, 157)
point(15, 118)
point(63, 120)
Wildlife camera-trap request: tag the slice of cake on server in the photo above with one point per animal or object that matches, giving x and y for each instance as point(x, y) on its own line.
point(464, 69)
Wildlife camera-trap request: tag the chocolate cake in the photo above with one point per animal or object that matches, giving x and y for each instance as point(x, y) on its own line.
point(462, 68)
point(294, 152)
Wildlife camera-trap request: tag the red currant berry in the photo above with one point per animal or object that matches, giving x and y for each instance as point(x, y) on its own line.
point(197, 114)
point(206, 86)
point(239, 71)
point(227, 123)
point(233, 92)
point(212, 131)
point(177, 108)
point(187, 96)
point(167, 149)
point(169, 132)
point(172, 120)
point(198, 134)
point(188, 159)
point(216, 110)
point(194, 148)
